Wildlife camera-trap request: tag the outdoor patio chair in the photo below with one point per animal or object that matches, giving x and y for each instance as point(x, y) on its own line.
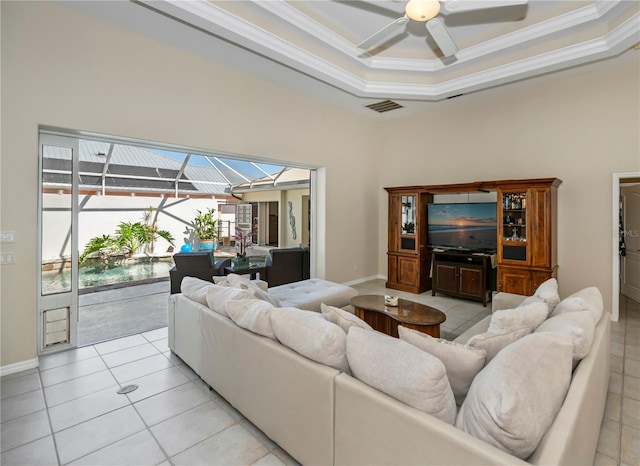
point(199, 264)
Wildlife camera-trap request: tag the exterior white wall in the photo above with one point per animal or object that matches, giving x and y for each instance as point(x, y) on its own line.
point(100, 215)
point(285, 236)
point(295, 197)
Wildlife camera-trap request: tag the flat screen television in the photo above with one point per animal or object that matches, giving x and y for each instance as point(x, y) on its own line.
point(468, 226)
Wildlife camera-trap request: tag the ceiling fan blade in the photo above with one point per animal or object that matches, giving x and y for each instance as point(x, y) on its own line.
point(383, 33)
point(454, 6)
point(441, 36)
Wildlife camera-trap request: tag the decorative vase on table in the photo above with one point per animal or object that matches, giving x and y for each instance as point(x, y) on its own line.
point(240, 262)
point(243, 240)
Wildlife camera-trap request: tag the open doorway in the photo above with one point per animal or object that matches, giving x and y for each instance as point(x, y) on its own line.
point(626, 240)
point(100, 190)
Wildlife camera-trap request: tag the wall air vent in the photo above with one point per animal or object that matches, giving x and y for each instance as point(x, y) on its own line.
point(384, 106)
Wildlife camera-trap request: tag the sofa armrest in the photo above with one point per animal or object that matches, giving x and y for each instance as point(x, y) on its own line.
point(506, 301)
point(264, 286)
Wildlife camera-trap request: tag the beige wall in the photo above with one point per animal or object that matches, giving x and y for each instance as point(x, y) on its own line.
point(580, 126)
point(64, 69)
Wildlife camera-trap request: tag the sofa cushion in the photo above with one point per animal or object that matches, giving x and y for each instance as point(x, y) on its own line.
point(578, 326)
point(252, 314)
point(494, 342)
point(244, 283)
point(530, 315)
point(342, 318)
point(587, 299)
point(309, 334)
point(218, 296)
point(195, 288)
point(462, 362)
point(402, 371)
point(310, 294)
point(513, 401)
point(547, 292)
point(221, 280)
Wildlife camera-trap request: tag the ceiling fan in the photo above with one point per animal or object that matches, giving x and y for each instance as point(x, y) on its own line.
point(426, 11)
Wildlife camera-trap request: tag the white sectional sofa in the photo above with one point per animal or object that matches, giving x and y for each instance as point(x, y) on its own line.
point(321, 415)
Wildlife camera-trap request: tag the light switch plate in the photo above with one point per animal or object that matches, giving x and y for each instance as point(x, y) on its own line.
point(7, 258)
point(7, 236)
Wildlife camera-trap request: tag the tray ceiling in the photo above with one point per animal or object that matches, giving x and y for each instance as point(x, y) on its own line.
point(312, 45)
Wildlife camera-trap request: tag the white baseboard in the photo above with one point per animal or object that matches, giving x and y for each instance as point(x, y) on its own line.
point(365, 279)
point(18, 367)
point(631, 292)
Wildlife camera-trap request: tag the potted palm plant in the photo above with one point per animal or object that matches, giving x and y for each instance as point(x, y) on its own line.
point(204, 225)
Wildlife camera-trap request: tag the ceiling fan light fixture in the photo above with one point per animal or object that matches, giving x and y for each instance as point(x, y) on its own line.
point(422, 10)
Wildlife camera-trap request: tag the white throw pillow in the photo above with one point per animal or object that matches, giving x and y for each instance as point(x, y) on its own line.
point(238, 281)
point(587, 299)
point(402, 371)
point(494, 342)
point(309, 334)
point(462, 362)
point(221, 280)
point(252, 314)
point(195, 288)
point(513, 401)
point(342, 318)
point(578, 326)
point(530, 315)
point(547, 292)
point(218, 296)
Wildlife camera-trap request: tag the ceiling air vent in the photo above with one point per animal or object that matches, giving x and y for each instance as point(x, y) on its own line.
point(384, 106)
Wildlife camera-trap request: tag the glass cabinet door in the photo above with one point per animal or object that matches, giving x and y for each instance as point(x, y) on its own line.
point(408, 223)
point(408, 215)
point(514, 227)
point(514, 221)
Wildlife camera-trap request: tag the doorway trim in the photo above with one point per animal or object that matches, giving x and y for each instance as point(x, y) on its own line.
point(615, 271)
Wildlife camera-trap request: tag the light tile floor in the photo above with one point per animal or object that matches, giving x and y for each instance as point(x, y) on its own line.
point(619, 442)
point(69, 412)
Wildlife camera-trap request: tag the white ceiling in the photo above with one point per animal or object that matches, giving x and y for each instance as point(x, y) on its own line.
point(311, 45)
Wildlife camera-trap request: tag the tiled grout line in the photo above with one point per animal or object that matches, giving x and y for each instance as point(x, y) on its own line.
point(624, 393)
point(52, 433)
point(623, 324)
point(620, 408)
point(46, 408)
point(130, 403)
point(148, 428)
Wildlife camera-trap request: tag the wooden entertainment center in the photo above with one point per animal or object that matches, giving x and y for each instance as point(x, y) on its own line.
point(526, 241)
point(462, 274)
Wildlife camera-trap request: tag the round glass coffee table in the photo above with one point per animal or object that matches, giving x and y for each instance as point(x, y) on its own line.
point(372, 309)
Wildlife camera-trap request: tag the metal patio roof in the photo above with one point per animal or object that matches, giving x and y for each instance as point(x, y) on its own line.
point(117, 167)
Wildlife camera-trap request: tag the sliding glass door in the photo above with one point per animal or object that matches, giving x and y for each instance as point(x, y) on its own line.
point(58, 243)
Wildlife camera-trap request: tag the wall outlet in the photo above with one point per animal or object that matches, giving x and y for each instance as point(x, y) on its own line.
point(6, 258)
point(7, 236)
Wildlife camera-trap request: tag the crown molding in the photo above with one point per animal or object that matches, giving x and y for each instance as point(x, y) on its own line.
point(505, 42)
point(219, 22)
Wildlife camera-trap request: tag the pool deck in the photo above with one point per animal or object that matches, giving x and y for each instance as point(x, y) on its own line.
point(114, 311)
point(118, 312)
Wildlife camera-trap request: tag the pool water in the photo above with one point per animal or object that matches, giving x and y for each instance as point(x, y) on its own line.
point(97, 273)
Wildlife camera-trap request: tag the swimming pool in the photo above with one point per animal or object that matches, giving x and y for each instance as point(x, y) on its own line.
point(97, 273)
